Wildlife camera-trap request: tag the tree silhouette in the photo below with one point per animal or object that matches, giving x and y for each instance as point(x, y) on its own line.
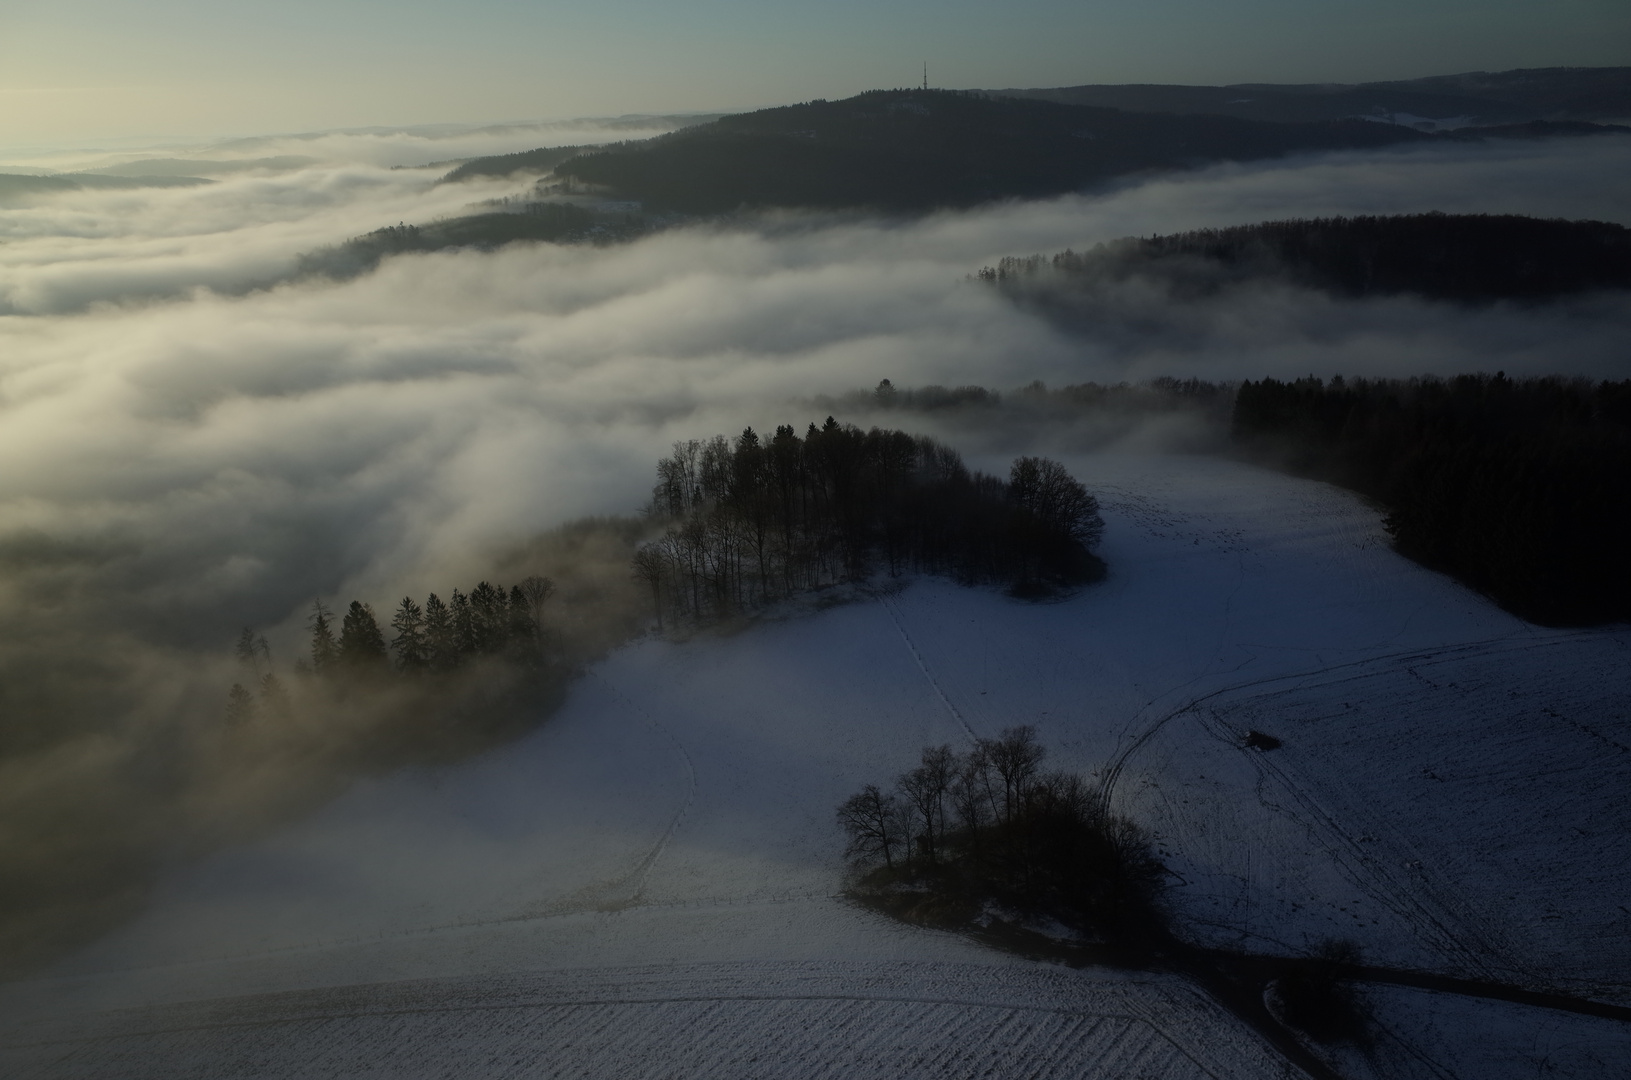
point(412, 648)
point(362, 646)
point(324, 649)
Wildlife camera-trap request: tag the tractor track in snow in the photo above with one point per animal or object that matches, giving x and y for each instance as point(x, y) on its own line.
point(1038, 1014)
point(1373, 876)
point(1450, 927)
point(1112, 772)
point(911, 647)
point(642, 870)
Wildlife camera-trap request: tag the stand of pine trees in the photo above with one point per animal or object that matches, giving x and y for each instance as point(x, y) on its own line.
point(436, 637)
point(1519, 488)
point(749, 521)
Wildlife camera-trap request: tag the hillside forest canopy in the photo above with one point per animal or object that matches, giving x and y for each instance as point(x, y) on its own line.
point(1468, 258)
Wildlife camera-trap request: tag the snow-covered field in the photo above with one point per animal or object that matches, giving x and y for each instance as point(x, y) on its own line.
point(645, 885)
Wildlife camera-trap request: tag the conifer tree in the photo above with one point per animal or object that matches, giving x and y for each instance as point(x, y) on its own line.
point(273, 695)
point(362, 646)
point(520, 629)
point(489, 618)
point(464, 625)
point(240, 704)
point(324, 650)
point(409, 643)
point(441, 637)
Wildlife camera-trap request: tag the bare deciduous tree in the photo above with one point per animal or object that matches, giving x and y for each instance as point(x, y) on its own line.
point(873, 822)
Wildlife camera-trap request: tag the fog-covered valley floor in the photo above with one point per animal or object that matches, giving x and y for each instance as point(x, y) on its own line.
point(660, 858)
point(646, 884)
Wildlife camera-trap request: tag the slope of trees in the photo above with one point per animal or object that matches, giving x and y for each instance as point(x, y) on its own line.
point(1519, 488)
point(553, 222)
point(1462, 257)
point(749, 521)
point(992, 825)
point(916, 150)
point(541, 160)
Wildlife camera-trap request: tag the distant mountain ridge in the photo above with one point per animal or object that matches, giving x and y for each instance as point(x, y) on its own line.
point(1469, 258)
point(910, 151)
point(1438, 102)
point(915, 150)
point(15, 187)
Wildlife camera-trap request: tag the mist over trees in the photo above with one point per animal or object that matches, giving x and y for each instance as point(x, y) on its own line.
point(1519, 488)
point(436, 638)
point(555, 222)
point(748, 521)
point(1458, 257)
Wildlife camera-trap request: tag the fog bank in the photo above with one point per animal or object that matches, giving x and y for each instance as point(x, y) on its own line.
point(177, 462)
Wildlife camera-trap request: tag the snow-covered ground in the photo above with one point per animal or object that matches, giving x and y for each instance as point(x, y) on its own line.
point(645, 885)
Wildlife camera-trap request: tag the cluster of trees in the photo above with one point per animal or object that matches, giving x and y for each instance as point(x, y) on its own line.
point(748, 521)
point(1464, 257)
point(992, 823)
point(1520, 488)
point(437, 636)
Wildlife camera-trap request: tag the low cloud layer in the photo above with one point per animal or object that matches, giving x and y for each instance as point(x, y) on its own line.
point(318, 436)
point(174, 467)
point(383, 147)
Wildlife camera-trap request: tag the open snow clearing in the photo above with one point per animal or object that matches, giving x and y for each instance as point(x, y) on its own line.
point(647, 885)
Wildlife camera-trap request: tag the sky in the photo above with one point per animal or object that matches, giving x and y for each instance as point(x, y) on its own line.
point(73, 71)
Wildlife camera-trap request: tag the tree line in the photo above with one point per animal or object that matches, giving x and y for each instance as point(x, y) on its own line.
point(436, 637)
point(747, 521)
point(1519, 488)
point(1462, 257)
point(993, 824)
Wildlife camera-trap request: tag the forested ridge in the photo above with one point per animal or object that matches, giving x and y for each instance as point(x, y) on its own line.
point(1461, 257)
point(917, 150)
point(554, 222)
point(1478, 97)
point(1519, 488)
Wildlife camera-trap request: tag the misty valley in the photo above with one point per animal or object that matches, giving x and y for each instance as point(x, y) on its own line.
point(1113, 581)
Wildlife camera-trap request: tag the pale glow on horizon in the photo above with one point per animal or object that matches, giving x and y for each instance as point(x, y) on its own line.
point(104, 70)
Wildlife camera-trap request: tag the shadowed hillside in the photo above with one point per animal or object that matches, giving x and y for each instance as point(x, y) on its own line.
point(1476, 97)
point(914, 150)
point(1464, 257)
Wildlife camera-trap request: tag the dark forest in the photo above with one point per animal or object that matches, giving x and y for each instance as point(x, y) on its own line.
point(1459, 257)
point(1519, 488)
point(750, 521)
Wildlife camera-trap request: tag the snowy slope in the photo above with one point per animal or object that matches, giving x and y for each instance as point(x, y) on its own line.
point(648, 879)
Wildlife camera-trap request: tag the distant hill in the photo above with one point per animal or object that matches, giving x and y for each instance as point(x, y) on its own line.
point(1461, 257)
point(527, 161)
point(914, 150)
point(19, 187)
point(1442, 101)
point(553, 222)
point(152, 168)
